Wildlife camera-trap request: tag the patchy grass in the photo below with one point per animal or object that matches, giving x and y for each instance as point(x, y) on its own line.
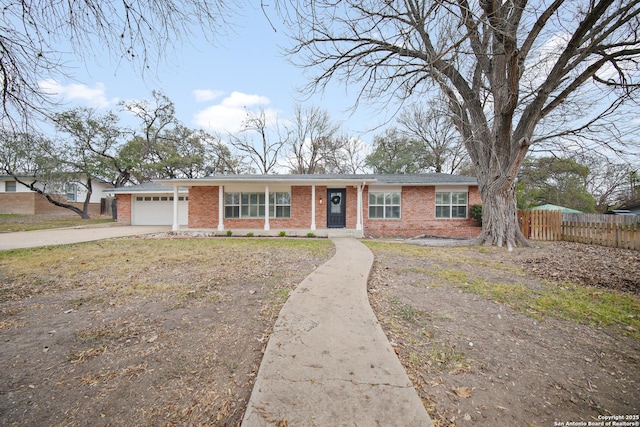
point(463, 268)
point(142, 331)
point(13, 222)
point(583, 304)
point(177, 268)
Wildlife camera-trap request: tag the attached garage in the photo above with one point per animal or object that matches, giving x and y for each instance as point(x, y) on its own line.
point(151, 204)
point(157, 209)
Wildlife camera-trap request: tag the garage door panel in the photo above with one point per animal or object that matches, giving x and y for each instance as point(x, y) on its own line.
point(158, 210)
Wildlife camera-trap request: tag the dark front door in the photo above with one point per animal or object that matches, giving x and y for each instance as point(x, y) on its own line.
point(336, 210)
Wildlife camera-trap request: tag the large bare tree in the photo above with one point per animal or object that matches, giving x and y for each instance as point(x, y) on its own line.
point(40, 38)
point(505, 68)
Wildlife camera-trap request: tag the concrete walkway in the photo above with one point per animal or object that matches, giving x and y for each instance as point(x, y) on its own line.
point(328, 362)
point(63, 236)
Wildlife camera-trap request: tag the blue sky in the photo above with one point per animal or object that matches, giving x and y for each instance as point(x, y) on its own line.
point(212, 85)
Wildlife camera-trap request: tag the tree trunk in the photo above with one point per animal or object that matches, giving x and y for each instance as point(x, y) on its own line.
point(500, 215)
point(87, 199)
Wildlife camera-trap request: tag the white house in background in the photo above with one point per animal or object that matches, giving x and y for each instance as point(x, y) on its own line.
point(16, 198)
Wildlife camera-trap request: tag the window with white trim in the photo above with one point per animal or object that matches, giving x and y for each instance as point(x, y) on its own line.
point(10, 186)
point(71, 191)
point(252, 205)
point(384, 205)
point(279, 205)
point(451, 204)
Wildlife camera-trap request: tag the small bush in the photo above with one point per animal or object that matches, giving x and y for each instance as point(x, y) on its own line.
point(282, 233)
point(311, 234)
point(250, 234)
point(476, 213)
point(229, 233)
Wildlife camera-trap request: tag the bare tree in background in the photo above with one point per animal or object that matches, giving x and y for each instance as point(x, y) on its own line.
point(36, 34)
point(608, 180)
point(348, 155)
point(432, 128)
point(312, 140)
point(504, 67)
point(264, 153)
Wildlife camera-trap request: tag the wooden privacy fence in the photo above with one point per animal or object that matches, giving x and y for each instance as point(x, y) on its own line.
point(618, 231)
point(541, 225)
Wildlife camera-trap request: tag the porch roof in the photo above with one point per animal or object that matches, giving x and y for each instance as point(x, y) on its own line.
point(327, 179)
point(147, 187)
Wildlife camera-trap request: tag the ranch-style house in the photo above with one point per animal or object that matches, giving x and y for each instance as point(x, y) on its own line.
point(331, 204)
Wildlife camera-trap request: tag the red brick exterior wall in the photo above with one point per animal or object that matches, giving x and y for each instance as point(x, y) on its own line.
point(352, 207)
point(203, 210)
point(418, 217)
point(203, 207)
point(124, 207)
point(474, 196)
point(321, 209)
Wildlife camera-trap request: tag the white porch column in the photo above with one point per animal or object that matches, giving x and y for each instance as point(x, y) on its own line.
point(359, 208)
point(266, 208)
point(176, 223)
point(221, 208)
point(313, 207)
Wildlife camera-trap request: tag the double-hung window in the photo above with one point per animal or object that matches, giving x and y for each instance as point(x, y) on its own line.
point(451, 204)
point(252, 205)
point(384, 205)
point(71, 191)
point(279, 205)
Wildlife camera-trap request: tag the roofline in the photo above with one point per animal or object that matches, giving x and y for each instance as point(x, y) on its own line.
point(310, 179)
point(132, 189)
point(275, 179)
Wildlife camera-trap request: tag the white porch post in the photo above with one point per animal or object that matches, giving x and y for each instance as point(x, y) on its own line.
point(221, 208)
point(266, 208)
point(176, 223)
point(359, 208)
point(313, 207)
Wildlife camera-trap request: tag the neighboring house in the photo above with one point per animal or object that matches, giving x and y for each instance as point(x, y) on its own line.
point(633, 208)
point(361, 205)
point(16, 198)
point(550, 207)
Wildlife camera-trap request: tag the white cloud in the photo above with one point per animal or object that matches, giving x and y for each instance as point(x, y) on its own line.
point(92, 96)
point(203, 95)
point(228, 115)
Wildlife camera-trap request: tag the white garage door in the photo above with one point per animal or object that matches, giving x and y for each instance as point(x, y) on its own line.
point(158, 210)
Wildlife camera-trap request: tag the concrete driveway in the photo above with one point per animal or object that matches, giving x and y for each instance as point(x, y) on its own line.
point(62, 236)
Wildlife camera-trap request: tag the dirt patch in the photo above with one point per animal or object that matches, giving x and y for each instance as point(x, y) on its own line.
point(156, 332)
point(479, 362)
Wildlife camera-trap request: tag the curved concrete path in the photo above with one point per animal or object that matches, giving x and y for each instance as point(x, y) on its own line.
point(328, 362)
point(63, 236)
